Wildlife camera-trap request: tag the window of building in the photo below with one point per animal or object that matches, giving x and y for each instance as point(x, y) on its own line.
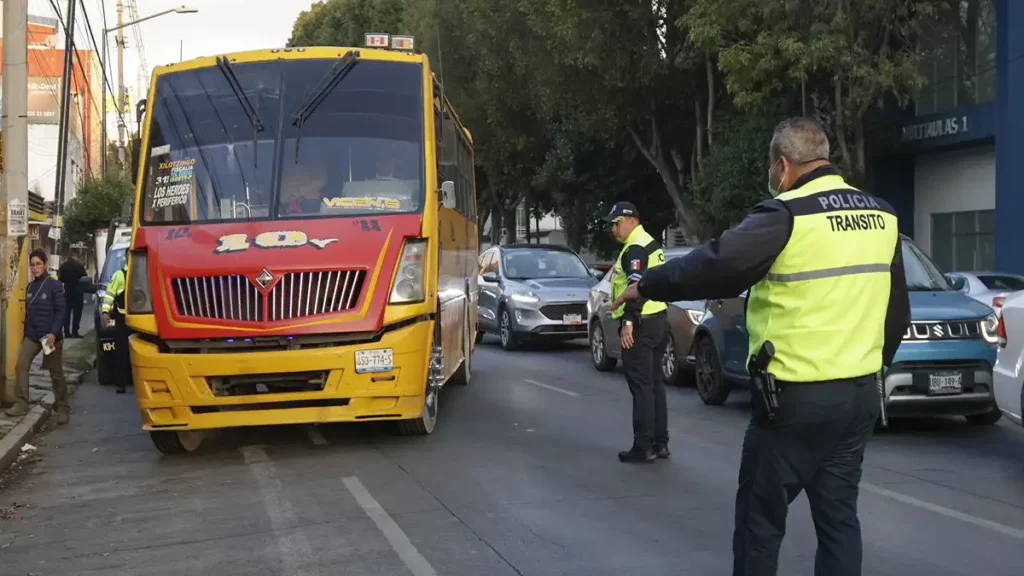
point(964, 240)
point(959, 57)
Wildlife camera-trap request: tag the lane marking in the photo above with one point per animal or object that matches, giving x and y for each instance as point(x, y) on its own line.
point(947, 512)
point(400, 543)
point(552, 388)
point(290, 540)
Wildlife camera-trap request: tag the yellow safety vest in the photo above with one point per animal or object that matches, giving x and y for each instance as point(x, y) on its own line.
point(655, 257)
point(824, 300)
point(115, 291)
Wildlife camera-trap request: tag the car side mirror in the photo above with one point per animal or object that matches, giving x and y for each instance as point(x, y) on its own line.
point(490, 277)
point(448, 194)
point(86, 285)
point(596, 273)
point(958, 282)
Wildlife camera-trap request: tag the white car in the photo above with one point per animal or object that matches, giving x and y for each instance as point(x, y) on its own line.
point(1008, 375)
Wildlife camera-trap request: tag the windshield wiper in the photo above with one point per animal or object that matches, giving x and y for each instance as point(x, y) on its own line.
point(326, 84)
point(254, 117)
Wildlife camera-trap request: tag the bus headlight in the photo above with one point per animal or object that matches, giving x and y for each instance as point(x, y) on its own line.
point(140, 299)
point(408, 284)
point(990, 329)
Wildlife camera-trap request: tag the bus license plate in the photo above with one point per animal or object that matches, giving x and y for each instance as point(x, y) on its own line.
point(380, 360)
point(572, 319)
point(945, 383)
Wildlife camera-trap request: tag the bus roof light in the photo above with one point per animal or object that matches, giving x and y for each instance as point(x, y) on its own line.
point(403, 42)
point(378, 40)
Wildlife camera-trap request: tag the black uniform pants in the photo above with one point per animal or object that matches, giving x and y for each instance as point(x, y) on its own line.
point(817, 444)
point(122, 368)
point(73, 314)
point(642, 364)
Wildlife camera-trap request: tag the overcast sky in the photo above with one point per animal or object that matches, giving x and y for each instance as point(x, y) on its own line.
point(220, 26)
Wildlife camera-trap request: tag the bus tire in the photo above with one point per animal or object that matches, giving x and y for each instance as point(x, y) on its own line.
point(176, 442)
point(423, 425)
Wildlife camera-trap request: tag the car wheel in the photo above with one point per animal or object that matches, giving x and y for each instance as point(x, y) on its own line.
point(176, 442)
point(463, 374)
point(508, 337)
point(711, 385)
point(425, 423)
point(598, 352)
point(986, 419)
point(672, 370)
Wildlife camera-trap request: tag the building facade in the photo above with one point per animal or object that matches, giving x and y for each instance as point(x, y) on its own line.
point(955, 170)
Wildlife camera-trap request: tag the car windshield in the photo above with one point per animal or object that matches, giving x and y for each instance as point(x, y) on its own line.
point(535, 264)
point(114, 262)
point(922, 274)
point(1004, 283)
point(358, 152)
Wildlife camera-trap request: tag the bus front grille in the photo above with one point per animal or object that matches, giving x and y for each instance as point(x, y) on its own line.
point(291, 295)
point(228, 297)
point(302, 294)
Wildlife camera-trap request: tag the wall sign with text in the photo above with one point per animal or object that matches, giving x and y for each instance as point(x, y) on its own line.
point(936, 129)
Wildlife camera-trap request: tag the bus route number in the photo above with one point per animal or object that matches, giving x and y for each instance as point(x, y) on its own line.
point(269, 240)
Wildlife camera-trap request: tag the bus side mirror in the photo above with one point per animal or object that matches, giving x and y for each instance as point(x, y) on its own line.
point(448, 194)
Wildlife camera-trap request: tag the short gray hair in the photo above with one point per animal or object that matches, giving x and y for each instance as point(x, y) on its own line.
point(800, 140)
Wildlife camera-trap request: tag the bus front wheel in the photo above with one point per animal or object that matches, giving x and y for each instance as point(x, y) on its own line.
point(176, 442)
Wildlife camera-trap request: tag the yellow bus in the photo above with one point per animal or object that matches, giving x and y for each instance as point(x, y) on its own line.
point(304, 242)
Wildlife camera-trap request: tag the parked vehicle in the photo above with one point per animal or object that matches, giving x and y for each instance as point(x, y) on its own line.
point(989, 288)
point(1009, 370)
point(943, 366)
point(532, 291)
point(113, 262)
point(683, 319)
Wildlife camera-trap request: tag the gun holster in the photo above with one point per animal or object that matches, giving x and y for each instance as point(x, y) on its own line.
point(764, 390)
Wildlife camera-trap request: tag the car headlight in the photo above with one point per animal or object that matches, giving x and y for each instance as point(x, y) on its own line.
point(140, 299)
point(407, 287)
point(695, 316)
point(524, 296)
point(990, 329)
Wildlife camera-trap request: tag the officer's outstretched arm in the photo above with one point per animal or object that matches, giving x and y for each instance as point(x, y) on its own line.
point(728, 265)
point(897, 317)
point(634, 264)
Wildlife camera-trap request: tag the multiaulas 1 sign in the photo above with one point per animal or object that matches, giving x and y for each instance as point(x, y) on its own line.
point(935, 129)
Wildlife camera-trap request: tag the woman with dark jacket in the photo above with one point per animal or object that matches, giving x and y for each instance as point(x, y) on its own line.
point(44, 317)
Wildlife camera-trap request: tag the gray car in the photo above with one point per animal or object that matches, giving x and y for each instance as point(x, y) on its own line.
point(989, 288)
point(531, 292)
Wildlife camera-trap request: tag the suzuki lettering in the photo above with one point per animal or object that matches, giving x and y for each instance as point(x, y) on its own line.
point(268, 240)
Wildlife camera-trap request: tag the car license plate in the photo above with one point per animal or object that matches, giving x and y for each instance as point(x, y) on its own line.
point(949, 383)
point(380, 360)
point(572, 319)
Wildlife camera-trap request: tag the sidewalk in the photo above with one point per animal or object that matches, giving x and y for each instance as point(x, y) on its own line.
point(79, 354)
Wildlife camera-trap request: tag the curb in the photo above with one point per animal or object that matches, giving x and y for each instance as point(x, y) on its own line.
point(10, 445)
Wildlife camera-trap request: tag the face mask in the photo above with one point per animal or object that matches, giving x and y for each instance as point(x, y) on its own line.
point(774, 191)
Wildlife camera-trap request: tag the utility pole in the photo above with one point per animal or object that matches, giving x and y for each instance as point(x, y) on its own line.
point(120, 75)
point(14, 190)
point(64, 128)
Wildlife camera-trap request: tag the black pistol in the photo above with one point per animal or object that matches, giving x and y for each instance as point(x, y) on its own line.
point(764, 391)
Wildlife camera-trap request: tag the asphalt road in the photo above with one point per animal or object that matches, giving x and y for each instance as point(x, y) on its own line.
point(520, 477)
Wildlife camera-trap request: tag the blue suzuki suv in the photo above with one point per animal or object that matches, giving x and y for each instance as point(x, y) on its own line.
point(942, 367)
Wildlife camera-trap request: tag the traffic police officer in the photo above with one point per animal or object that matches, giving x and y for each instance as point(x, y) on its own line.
point(113, 309)
point(823, 262)
point(643, 335)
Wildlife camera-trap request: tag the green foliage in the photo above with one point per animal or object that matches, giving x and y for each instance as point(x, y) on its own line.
point(345, 22)
point(735, 174)
point(96, 202)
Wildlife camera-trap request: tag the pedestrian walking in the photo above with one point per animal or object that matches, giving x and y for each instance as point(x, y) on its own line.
point(44, 317)
point(643, 335)
point(70, 275)
point(112, 308)
point(828, 297)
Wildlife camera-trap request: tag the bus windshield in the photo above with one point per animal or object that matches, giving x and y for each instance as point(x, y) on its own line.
point(210, 159)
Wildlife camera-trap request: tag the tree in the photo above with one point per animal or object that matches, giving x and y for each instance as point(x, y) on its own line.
point(844, 56)
point(345, 22)
point(95, 204)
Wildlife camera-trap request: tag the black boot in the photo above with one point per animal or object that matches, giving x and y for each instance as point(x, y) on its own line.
point(637, 455)
point(661, 450)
